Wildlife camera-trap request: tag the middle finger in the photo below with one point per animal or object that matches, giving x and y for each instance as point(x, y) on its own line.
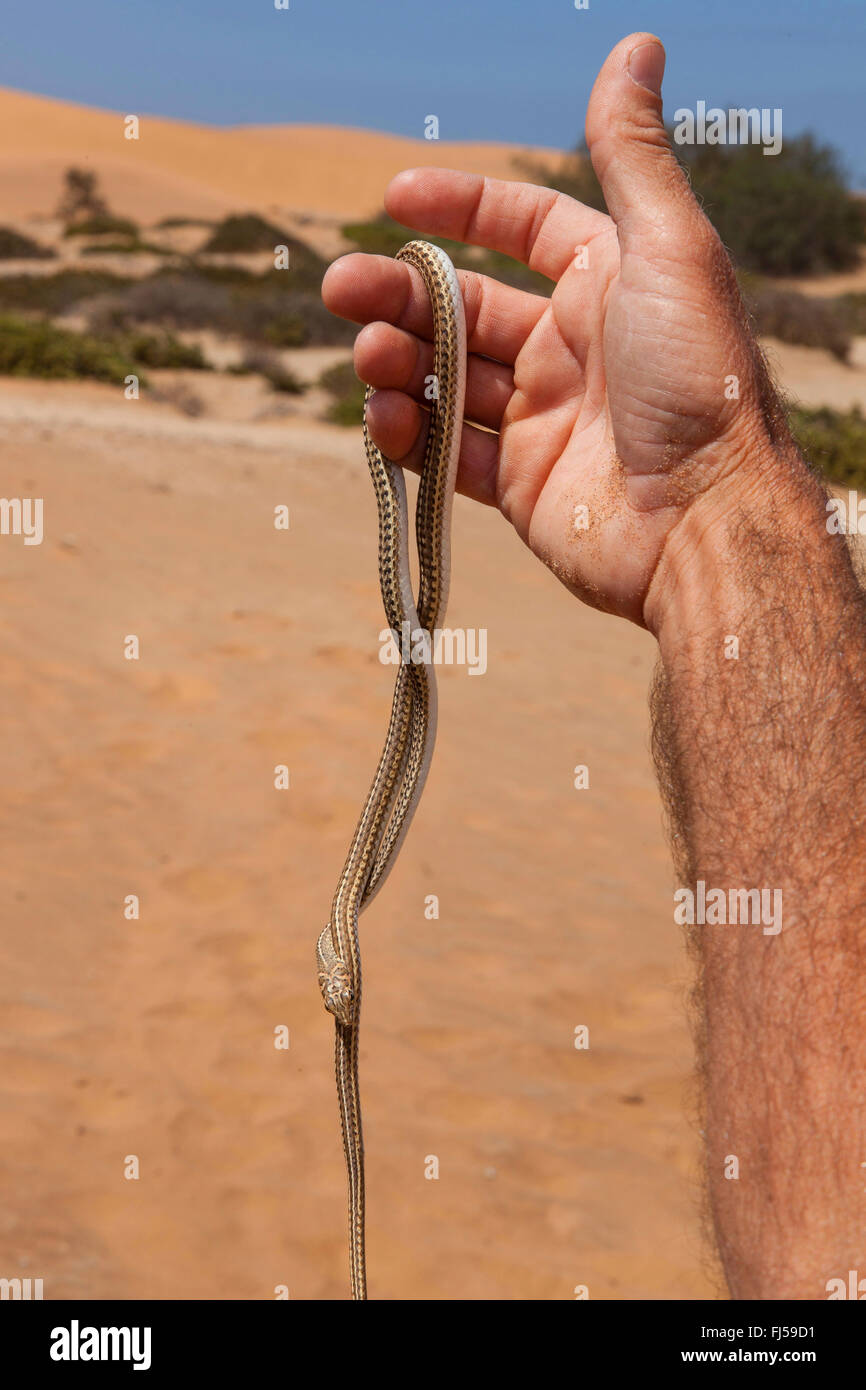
point(389, 358)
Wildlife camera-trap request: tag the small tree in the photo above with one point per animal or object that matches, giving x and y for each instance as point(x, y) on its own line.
point(81, 198)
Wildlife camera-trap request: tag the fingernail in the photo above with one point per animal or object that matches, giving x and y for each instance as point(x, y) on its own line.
point(646, 67)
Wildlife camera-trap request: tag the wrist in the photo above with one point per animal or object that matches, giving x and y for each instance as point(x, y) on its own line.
point(755, 533)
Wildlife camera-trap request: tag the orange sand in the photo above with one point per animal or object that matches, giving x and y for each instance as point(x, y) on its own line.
point(155, 1037)
point(176, 168)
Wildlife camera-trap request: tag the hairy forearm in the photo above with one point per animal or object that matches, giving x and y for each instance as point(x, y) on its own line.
point(760, 756)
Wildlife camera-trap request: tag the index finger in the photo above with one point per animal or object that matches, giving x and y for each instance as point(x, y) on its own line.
point(535, 225)
point(365, 288)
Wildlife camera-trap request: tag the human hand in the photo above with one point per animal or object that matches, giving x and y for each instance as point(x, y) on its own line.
point(634, 397)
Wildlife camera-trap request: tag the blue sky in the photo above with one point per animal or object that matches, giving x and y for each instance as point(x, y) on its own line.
point(515, 70)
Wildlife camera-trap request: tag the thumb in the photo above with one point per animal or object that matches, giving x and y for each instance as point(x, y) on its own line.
point(643, 185)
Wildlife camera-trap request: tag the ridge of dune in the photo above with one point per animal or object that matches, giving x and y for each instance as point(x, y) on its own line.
point(185, 169)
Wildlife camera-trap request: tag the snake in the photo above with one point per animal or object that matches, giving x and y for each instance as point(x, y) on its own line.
point(408, 749)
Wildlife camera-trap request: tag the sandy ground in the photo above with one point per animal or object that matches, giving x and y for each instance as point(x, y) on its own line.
point(813, 378)
point(558, 1167)
point(154, 1037)
point(823, 286)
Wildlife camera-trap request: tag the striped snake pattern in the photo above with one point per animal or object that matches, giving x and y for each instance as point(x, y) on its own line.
point(405, 759)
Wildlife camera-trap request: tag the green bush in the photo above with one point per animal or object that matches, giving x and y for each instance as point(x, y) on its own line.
point(834, 442)
point(55, 294)
point(783, 214)
point(15, 247)
point(164, 351)
point(125, 248)
point(36, 348)
point(111, 248)
point(244, 232)
point(270, 308)
point(348, 393)
point(168, 222)
point(281, 330)
point(106, 224)
point(175, 300)
point(247, 232)
point(260, 308)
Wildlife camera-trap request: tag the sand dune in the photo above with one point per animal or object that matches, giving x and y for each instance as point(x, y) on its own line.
point(177, 168)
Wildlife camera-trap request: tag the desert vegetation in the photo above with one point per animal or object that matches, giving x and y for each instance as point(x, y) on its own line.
point(42, 349)
point(14, 246)
point(783, 216)
point(834, 442)
point(346, 394)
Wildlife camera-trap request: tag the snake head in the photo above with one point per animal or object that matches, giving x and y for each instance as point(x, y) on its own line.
point(335, 981)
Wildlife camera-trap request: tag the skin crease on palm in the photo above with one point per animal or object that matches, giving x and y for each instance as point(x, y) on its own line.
point(610, 395)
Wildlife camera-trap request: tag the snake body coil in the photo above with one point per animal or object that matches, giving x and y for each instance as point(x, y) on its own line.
point(405, 758)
